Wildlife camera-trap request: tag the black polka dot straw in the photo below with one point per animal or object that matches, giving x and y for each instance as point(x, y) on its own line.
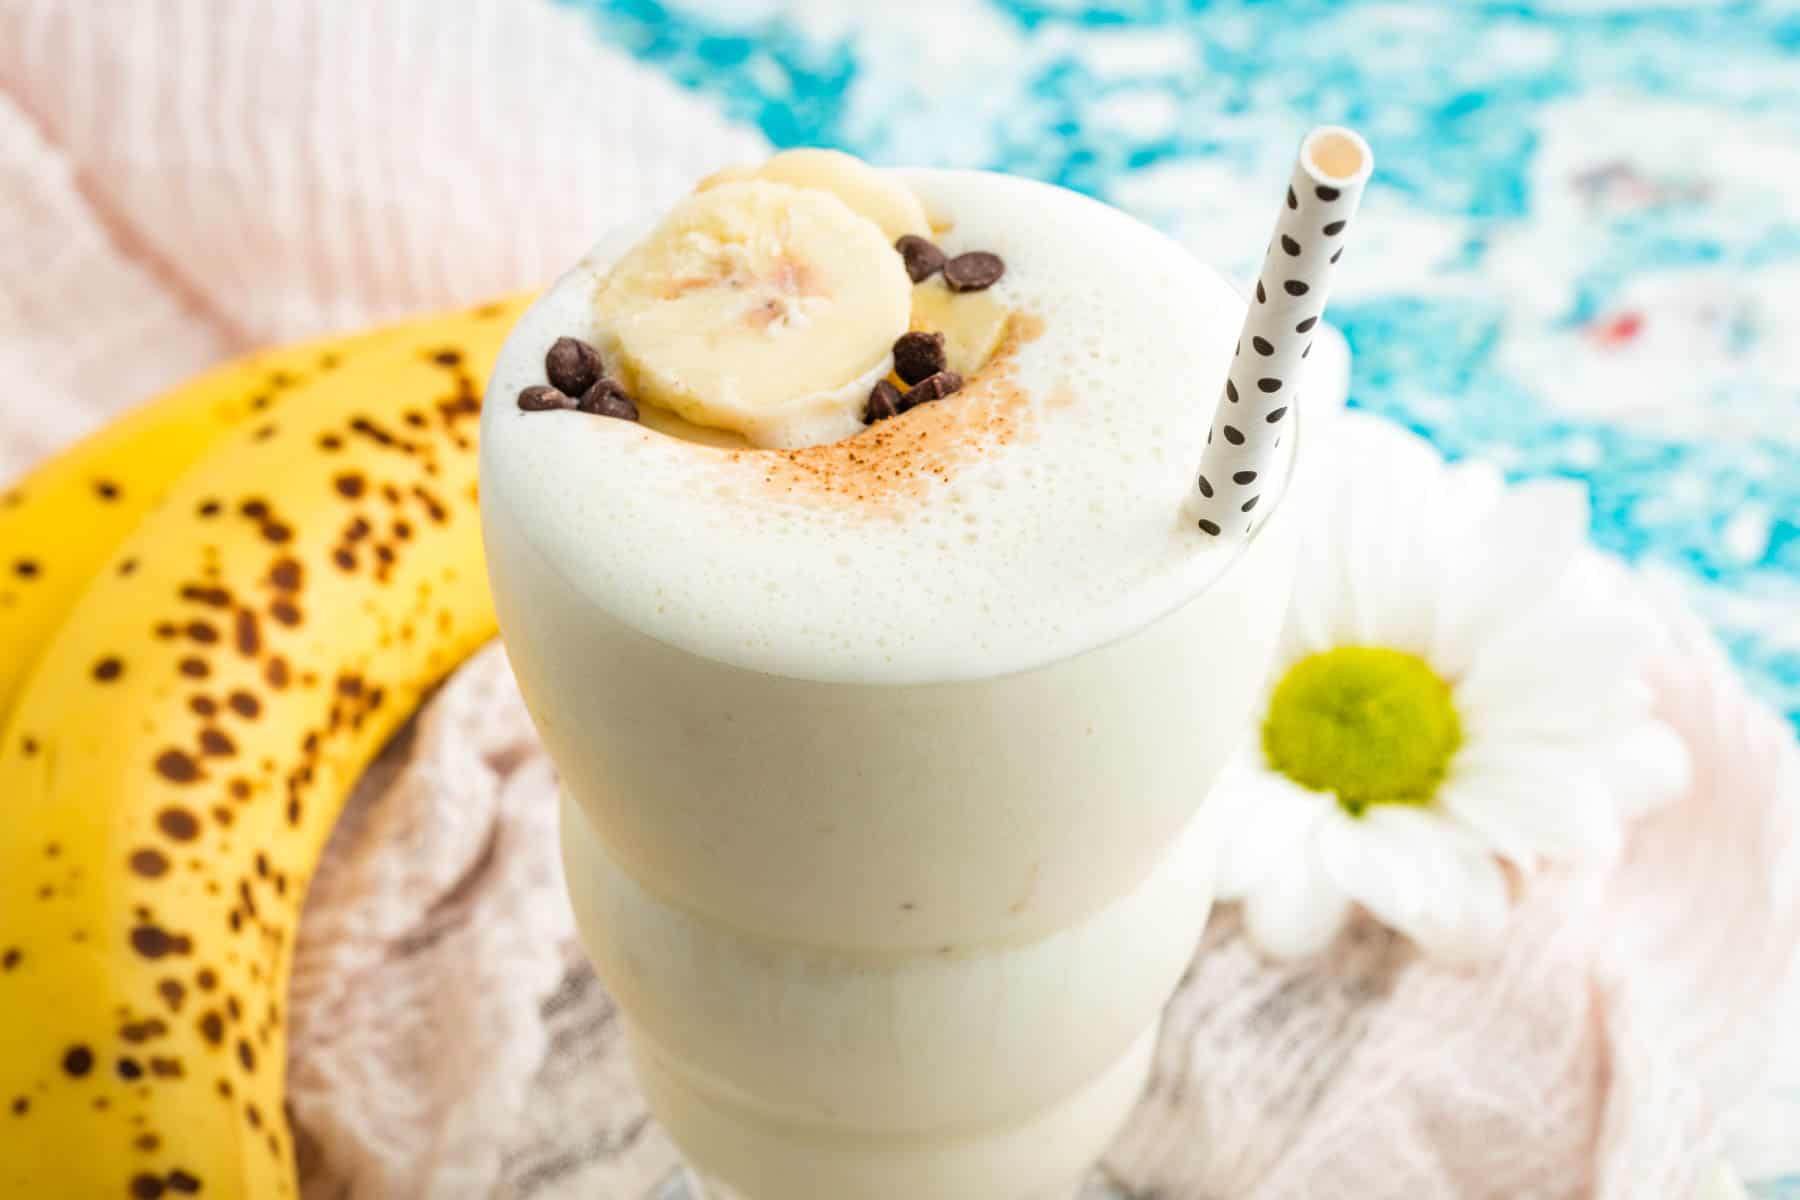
point(1291, 290)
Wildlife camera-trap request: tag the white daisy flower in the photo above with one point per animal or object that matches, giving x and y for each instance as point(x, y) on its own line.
point(1458, 687)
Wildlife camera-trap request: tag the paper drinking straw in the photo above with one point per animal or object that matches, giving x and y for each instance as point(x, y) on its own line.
point(1255, 409)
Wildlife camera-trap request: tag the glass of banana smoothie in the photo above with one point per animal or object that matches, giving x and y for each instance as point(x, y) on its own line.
point(836, 522)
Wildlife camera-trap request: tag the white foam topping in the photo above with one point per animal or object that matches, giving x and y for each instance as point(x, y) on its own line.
point(1057, 529)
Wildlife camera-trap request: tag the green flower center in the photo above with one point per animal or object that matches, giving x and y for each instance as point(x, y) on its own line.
point(1368, 724)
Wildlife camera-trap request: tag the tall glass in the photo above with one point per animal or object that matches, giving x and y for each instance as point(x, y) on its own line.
point(880, 941)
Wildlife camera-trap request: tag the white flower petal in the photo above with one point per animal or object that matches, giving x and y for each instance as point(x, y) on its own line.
point(1530, 800)
point(1327, 582)
point(1648, 766)
point(1533, 656)
point(1391, 568)
point(1463, 494)
point(1508, 563)
point(1620, 591)
point(1360, 507)
point(1586, 636)
point(1415, 871)
point(1572, 709)
point(1295, 910)
point(1573, 675)
point(1431, 530)
point(1307, 629)
point(1264, 820)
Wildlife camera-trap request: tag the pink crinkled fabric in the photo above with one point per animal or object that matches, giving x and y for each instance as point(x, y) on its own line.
point(184, 179)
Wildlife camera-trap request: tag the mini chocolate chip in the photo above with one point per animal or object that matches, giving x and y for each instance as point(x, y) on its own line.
point(607, 398)
point(922, 258)
point(918, 355)
point(543, 399)
point(1211, 527)
point(1263, 346)
point(572, 365)
point(973, 271)
point(884, 402)
point(936, 387)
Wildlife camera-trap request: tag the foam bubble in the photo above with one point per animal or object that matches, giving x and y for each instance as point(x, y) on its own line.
point(1067, 501)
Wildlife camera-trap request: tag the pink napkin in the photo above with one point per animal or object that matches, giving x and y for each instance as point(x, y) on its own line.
point(183, 179)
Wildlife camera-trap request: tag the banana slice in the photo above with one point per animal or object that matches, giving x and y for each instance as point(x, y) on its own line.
point(868, 190)
point(725, 175)
point(761, 308)
point(972, 323)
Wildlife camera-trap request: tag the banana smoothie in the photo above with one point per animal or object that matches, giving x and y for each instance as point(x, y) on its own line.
point(836, 524)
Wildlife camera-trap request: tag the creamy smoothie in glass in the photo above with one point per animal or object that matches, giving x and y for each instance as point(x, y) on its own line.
point(885, 739)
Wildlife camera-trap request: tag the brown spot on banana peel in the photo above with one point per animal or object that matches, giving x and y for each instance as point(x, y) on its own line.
point(271, 678)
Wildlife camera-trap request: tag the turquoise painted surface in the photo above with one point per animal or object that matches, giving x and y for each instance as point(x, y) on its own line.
point(1580, 254)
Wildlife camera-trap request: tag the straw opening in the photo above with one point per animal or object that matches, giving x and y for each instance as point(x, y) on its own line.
point(1335, 155)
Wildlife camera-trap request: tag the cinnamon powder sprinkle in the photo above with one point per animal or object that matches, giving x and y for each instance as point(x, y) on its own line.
point(899, 458)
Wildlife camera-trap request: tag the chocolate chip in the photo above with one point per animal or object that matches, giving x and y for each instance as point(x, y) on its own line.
point(922, 258)
point(935, 387)
point(543, 399)
point(607, 398)
point(973, 271)
point(918, 355)
point(573, 366)
point(884, 402)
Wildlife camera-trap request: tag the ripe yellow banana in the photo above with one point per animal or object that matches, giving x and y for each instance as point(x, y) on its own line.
point(171, 770)
point(59, 523)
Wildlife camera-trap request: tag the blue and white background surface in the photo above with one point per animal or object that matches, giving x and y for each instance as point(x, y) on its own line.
point(1579, 256)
